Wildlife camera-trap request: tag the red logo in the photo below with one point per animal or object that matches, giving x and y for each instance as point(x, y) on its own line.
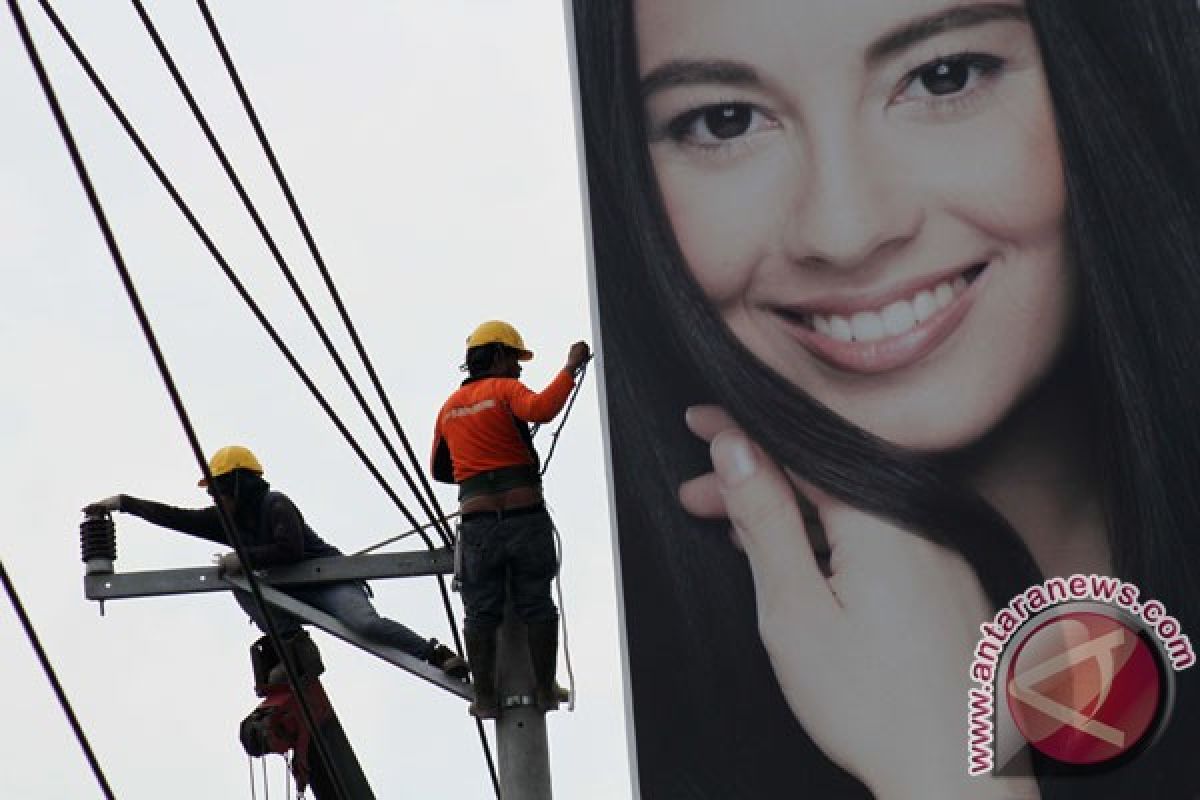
point(1085, 688)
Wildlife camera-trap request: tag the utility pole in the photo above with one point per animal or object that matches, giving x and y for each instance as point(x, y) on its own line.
point(524, 755)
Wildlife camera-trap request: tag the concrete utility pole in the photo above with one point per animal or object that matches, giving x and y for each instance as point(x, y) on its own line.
point(524, 757)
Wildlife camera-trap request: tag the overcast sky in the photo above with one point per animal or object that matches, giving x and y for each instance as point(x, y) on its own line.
point(432, 147)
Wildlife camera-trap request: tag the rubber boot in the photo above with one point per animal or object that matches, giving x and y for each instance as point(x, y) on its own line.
point(481, 656)
point(543, 653)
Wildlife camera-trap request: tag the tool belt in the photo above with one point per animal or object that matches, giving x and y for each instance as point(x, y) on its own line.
point(498, 480)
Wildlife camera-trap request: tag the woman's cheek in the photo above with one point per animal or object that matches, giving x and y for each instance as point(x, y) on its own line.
point(1002, 170)
point(725, 219)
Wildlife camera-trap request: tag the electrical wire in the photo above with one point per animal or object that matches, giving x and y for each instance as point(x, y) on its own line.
point(580, 373)
point(319, 260)
point(182, 205)
point(252, 210)
point(265, 234)
point(168, 381)
point(239, 287)
point(399, 537)
point(562, 614)
point(210, 245)
point(44, 659)
point(239, 187)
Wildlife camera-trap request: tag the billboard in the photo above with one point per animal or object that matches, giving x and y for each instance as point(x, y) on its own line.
point(897, 303)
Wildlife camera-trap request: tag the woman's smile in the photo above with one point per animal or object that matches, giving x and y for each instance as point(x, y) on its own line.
point(885, 331)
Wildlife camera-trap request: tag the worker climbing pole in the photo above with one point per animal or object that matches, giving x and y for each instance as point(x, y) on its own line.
point(506, 557)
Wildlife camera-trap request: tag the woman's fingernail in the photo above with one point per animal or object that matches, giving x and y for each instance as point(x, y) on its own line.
point(733, 459)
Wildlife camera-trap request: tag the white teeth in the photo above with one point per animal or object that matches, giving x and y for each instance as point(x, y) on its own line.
point(868, 326)
point(944, 294)
point(924, 305)
point(899, 317)
point(896, 318)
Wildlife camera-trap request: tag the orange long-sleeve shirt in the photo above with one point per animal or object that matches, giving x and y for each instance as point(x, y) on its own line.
point(475, 427)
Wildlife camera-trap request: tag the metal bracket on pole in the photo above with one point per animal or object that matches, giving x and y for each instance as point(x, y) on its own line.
point(398, 658)
point(154, 583)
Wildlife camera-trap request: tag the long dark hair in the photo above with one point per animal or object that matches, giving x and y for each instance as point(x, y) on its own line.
point(710, 719)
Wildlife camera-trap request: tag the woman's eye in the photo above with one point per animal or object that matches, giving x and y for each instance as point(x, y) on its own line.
point(714, 125)
point(948, 77)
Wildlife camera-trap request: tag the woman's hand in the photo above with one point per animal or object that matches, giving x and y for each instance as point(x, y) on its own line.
point(874, 659)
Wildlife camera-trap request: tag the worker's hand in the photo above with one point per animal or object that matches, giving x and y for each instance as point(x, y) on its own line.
point(229, 564)
point(105, 506)
point(579, 355)
point(873, 659)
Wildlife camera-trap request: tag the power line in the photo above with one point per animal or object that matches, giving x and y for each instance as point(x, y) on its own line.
point(240, 189)
point(256, 217)
point(581, 373)
point(168, 381)
point(206, 240)
point(152, 162)
point(319, 260)
point(48, 668)
point(231, 173)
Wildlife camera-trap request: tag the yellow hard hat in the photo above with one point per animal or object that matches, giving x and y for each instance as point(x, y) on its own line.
point(494, 331)
point(227, 459)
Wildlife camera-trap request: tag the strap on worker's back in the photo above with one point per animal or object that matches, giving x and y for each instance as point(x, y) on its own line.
point(499, 480)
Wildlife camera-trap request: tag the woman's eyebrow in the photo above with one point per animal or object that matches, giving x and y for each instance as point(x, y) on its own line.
point(955, 18)
point(682, 72)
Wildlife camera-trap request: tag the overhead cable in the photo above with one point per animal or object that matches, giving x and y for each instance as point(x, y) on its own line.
point(239, 187)
point(319, 260)
point(168, 381)
point(256, 217)
point(202, 234)
point(580, 373)
point(48, 669)
point(210, 245)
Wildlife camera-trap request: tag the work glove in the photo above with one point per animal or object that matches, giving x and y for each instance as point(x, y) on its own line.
point(105, 506)
point(229, 564)
point(578, 355)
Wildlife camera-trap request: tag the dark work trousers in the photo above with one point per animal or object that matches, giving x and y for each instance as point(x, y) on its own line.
point(516, 550)
point(348, 603)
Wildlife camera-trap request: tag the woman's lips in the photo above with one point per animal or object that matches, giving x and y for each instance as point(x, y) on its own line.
point(889, 336)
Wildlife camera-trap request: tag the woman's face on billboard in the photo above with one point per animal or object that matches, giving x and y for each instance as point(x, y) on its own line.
point(871, 195)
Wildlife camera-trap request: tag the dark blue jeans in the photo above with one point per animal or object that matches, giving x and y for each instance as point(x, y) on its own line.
point(518, 552)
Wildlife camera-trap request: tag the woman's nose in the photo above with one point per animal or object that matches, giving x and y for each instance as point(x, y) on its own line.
point(852, 204)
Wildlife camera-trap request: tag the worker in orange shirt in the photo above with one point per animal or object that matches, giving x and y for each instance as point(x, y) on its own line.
point(482, 442)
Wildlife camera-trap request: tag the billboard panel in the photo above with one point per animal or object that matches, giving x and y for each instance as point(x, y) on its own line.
point(898, 305)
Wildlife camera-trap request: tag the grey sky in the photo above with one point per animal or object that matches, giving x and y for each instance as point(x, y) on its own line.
point(432, 148)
